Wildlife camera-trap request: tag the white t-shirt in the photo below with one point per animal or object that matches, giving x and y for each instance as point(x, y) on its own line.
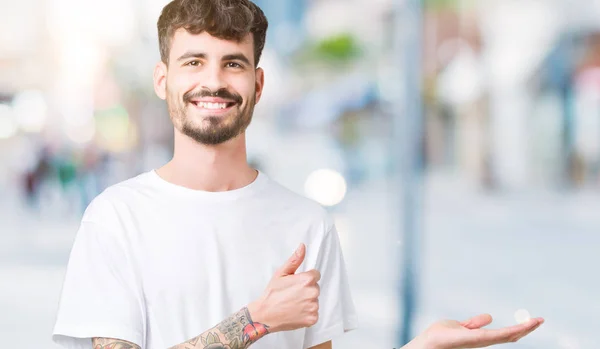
point(157, 264)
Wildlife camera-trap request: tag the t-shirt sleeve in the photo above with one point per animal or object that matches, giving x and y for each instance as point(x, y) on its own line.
point(100, 296)
point(337, 313)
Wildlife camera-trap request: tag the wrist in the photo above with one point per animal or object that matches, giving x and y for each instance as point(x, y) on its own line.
point(259, 314)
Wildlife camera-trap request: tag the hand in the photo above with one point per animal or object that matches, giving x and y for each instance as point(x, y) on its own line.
point(450, 334)
point(290, 301)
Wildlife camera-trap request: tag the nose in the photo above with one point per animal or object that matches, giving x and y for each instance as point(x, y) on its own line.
point(212, 79)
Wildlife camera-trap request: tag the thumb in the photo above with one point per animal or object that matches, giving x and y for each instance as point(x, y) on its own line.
point(292, 264)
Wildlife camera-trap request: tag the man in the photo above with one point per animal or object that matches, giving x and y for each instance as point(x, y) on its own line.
point(196, 254)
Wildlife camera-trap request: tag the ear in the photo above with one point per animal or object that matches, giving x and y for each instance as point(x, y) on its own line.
point(260, 83)
point(160, 80)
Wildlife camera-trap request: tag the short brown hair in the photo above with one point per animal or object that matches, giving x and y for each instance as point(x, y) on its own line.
point(224, 19)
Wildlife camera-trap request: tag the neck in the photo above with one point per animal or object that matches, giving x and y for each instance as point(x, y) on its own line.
point(213, 168)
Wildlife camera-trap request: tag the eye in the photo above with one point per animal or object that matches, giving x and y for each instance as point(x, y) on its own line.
point(193, 63)
point(233, 65)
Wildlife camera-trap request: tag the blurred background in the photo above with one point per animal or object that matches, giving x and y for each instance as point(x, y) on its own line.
point(455, 142)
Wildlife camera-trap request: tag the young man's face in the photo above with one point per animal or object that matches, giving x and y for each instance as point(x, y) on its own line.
point(210, 85)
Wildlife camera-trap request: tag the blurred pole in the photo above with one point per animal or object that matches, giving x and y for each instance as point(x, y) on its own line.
point(408, 134)
point(568, 153)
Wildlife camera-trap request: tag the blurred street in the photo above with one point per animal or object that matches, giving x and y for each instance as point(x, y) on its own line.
point(481, 253)
point(493, 104)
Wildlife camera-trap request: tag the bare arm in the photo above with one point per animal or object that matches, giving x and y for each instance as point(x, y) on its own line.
point(236, 332)
point(111, 343)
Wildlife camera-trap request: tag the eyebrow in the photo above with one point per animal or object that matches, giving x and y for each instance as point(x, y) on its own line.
point(237, 57)
point(231, 57)
point(192, 54)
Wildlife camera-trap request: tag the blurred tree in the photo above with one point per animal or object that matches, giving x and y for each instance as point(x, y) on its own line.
point(447, 4)
point(341, 48)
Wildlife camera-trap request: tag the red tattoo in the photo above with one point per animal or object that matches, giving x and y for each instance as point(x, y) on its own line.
point(254, 331)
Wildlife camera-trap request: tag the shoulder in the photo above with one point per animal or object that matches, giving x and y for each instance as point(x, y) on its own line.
point(111, 200)
point(290, 201)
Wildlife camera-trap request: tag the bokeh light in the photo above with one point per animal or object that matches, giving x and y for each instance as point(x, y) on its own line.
point(8, 124)
point(31, 110)
point(327, 187)
point(522, 316)
point(81, 133)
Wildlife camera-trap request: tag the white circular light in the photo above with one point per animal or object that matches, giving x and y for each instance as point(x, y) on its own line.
point(325, 186)
point(81, 134)
point(30, 110)
point(522, 316)
point(8, 125)
point(81, 60)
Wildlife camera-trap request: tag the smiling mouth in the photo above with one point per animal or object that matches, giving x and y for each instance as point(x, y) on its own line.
point(213, 106)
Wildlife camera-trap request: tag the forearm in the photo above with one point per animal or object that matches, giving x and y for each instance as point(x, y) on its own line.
point(236, 332)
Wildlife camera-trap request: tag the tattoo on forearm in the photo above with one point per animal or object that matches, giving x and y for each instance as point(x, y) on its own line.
point(236, 332)
point(108, 343)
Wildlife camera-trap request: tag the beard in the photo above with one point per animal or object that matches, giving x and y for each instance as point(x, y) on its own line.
point(220, 129)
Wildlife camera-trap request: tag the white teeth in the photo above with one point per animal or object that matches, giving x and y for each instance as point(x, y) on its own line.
point(207, 105)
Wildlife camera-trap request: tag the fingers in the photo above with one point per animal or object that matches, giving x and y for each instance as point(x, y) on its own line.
point(509, 334)
point(315, 274)
point(477, 321)
point(310, 278)
point(540, 322)
point(292, 264)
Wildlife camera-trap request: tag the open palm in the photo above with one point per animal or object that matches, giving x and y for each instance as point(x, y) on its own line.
point(451, 334)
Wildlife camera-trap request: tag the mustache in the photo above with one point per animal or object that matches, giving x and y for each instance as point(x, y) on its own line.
point(221, 93)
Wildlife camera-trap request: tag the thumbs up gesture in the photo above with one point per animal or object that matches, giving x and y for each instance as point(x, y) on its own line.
point(290, 301)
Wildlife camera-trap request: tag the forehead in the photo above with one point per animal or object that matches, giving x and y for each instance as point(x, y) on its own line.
point(213, 47)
